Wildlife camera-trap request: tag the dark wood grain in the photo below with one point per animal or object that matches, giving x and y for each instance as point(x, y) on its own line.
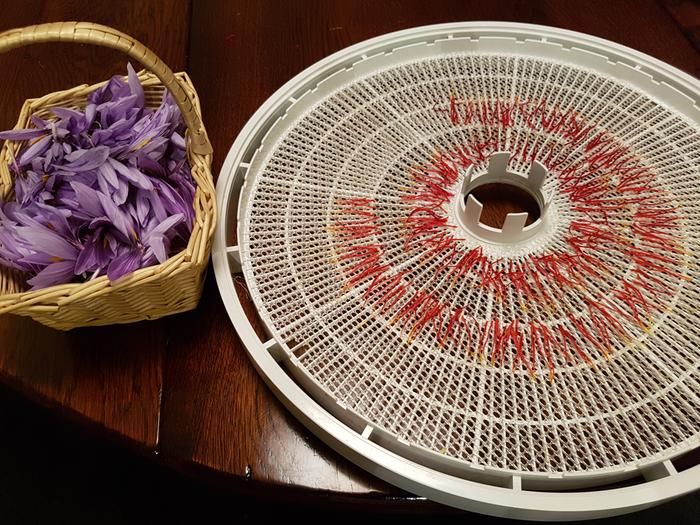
point(686, 14)
point(216, 417)
point(109, 376)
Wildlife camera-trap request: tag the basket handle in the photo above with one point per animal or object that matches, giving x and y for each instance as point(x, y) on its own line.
point(89, 33)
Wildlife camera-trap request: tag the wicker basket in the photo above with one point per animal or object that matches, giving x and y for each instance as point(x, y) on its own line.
point(171, 287)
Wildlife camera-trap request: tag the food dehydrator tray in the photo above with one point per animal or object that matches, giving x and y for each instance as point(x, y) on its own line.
point(517, 371)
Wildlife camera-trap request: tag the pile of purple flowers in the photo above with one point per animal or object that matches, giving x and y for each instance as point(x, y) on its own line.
point(107, 190)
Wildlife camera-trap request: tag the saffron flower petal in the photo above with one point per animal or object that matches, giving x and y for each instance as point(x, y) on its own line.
point(55, 273)
point(125, 263)
point(101, 191)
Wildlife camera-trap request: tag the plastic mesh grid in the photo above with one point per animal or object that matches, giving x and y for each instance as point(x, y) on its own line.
point(342, 181)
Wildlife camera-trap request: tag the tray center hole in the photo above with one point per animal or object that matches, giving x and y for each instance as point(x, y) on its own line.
point(500, 199)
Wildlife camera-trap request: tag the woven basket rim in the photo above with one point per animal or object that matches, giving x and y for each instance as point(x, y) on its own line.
point(68, 290)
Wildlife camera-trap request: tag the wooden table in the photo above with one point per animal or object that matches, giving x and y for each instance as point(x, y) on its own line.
point(182, 389)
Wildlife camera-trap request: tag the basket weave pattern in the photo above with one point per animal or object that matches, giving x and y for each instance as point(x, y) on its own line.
point(149, 293)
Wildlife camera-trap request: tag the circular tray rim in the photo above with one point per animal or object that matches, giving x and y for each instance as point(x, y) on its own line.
point(662, 482)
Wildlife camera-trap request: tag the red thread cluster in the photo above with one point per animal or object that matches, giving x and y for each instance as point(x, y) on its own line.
point(617, 208)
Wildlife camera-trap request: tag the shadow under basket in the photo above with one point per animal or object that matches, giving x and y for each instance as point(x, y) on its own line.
point(149, 293)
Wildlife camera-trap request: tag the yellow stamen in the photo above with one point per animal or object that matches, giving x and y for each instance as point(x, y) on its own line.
point(141, 145)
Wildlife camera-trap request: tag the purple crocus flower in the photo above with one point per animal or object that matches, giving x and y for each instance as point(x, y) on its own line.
point(103, 191)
